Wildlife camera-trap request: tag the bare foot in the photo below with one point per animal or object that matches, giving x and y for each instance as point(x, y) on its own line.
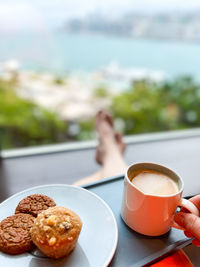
point(108, 139)
point(109, 151)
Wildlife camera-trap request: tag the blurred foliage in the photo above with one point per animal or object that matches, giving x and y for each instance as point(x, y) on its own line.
point(144, 107)
point(23, 123)
point(150, 107)
point(59, 80)
point(86, 129)
point(101, 92)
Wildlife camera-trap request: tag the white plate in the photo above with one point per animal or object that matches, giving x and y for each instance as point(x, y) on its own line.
point(98, 238)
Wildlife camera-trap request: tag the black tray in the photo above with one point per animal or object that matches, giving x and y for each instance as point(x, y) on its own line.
point(135, 249)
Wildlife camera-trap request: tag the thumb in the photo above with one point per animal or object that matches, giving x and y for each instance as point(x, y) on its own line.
point(190, 222)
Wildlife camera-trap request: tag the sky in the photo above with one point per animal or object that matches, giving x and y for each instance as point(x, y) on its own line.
point(36, 14)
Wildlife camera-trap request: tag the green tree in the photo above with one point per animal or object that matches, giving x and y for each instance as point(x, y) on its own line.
point(101, 92)
point(150, 107)
point(23, 123)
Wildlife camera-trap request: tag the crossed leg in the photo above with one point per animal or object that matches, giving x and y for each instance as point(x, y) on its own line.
point(109, 152)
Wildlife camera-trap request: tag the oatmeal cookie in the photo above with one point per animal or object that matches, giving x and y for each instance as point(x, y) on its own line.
point(55, 231)
point(15, 235)
point(34, 204)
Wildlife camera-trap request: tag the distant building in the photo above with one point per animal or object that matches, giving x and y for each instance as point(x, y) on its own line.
point(170, 26)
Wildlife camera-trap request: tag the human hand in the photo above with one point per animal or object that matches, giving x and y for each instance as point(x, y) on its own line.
point(190, 222)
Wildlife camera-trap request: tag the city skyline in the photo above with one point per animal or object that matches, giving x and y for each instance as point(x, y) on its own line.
point(37, 15)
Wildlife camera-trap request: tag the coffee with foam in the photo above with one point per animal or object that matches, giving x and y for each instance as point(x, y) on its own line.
point(154, 183)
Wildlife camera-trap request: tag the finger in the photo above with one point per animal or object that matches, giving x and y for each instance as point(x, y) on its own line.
point(190, 222)
point(188, 234)
point(184, 210)
point(196, 201)
point(196, 242)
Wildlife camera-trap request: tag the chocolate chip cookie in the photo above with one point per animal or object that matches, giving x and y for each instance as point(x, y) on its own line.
point(15, 235)
point(34, 204)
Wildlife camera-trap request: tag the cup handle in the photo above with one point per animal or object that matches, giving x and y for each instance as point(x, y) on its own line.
point(184, 203)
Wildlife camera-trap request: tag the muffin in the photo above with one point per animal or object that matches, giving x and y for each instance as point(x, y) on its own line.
point(15, 235)
point(55, 231)
point(34, 204)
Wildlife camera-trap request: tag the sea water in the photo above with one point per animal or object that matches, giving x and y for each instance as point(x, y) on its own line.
point(61, 52)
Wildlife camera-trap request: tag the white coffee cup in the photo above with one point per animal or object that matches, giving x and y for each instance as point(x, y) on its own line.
point(152, 214)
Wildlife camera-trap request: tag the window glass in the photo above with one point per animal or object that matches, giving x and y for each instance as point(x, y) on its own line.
point(61, 61)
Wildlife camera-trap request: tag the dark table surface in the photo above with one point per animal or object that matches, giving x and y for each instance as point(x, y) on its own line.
point(182, 155)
